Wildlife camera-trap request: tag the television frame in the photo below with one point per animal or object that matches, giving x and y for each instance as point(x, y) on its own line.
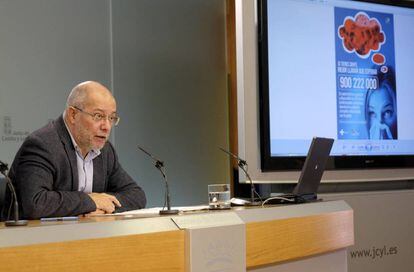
point(269, 163)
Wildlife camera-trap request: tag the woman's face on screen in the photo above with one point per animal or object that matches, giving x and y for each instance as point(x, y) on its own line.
point(381, 108)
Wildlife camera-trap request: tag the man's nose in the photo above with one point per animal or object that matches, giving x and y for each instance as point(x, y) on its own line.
point(106, 124)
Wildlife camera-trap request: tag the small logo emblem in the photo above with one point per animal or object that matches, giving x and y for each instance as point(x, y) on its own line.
point(7, 125)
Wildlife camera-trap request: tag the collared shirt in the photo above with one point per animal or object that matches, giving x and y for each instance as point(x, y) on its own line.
point(85, 166)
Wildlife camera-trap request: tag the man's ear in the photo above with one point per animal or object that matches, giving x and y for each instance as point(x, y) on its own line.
point(71, 113)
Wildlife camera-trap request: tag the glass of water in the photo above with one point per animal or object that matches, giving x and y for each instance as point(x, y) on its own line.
point(219, 196)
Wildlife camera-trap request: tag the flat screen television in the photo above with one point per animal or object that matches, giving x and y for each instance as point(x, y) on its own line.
point(336, 69)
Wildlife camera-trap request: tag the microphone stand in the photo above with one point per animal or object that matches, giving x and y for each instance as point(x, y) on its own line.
point(16, 221)
point(243, 166)
point(160, 166)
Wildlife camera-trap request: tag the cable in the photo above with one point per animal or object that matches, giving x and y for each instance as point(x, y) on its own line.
point(278, 197)
point(258, 195)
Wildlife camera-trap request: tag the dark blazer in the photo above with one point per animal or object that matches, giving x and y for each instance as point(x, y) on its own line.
point(45, 174)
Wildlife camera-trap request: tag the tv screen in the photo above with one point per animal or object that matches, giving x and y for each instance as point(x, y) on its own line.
point(336, 69)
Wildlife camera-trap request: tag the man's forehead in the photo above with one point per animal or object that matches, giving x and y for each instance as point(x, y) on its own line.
point(100, 109)
point(100, 97)
point(96, 106)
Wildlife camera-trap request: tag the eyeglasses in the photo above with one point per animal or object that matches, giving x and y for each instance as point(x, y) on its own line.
point(97, 117)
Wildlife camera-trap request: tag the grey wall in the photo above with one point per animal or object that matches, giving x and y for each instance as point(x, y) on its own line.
point(46, 47)
point(170, 81)
point(166, 61)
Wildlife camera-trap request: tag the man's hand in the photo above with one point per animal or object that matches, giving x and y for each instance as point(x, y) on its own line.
point(105, 202)
point(97, 212)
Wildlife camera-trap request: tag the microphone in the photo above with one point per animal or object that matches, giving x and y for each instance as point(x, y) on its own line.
point(160, 166)
point(16, 222)
point(244, 166)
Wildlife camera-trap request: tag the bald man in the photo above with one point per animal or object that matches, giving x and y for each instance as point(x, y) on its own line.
point(69, 168)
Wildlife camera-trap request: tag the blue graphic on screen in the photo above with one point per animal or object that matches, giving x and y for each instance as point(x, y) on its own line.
point(365, 75)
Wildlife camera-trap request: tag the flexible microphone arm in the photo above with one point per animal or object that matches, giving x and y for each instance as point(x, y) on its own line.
point(16, 222)
point(160, 166)
point(244, 166)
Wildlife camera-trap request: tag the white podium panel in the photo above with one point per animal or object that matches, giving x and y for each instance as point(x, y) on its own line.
point(214, 242)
